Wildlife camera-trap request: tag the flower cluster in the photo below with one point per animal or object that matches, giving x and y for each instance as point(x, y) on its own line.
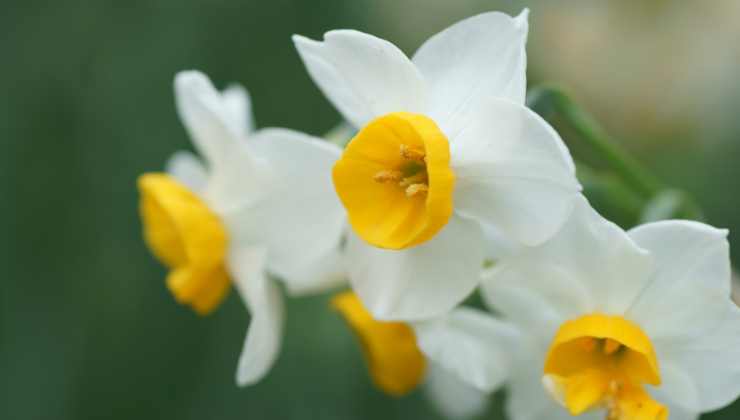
point(449, 185)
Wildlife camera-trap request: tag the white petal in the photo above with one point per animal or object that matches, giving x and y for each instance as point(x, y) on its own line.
point(710, 360)
point(236, 176)
point(687, 311)
point(479, 58)
point(238, 181)
point(692, 272)
point(299, 217)
point(422, 282)
point(677, 390)
point(265, 303)
point(590, 265)
point(188, 169)
point(322, 274)
point(677, 412)
point(470, 344)
point(363, 76)
point(205, 116)
point(453, 398)
point(513, 172)
point(513, 289)
point(238, 105)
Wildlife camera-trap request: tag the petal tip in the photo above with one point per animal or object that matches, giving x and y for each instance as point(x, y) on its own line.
point(523, 17)
point(298, 39)
point(187, 78)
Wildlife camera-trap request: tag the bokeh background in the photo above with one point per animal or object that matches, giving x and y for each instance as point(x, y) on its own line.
point(87, 328)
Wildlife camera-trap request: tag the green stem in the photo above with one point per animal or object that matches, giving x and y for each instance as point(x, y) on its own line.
point(547, 100)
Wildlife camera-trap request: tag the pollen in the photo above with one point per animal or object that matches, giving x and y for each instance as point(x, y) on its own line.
point(415, 189)
point(411, 153)
point(395, 180)
point(388, 176)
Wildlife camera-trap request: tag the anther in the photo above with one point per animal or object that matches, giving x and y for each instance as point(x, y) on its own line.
point(588, 344)
point(411, 153)
point(415, 189)
point(388, 176)
point(419, 178)
point(611, 346)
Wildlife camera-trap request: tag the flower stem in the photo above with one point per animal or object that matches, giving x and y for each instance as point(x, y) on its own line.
point(548, 100)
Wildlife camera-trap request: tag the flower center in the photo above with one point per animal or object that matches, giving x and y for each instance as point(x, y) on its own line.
point(394, 360)
point(602, 361)
point(188, 238)
point(394, 179)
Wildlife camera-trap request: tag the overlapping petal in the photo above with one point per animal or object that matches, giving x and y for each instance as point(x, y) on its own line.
point(235, 175)
point(189, 170)
point(476, 59)
point(451, 396)
point(692, 272)
point(298, 217)
point(513, 172)
point(362, 75)
point(206, 116)
point(265, 304)
point(470, 344)
point(688, 312)
point(238, 106)
point(421, 282)
point(710, 361)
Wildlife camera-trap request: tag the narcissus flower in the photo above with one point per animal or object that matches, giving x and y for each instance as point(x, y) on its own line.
point(460, 357)
point(636, 324)
point(260, 203)
point(445, 145)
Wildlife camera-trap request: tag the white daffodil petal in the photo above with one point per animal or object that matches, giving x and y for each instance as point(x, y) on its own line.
point(205, 116)
point(677, 390)
point(420, 282)
point(325, 273)
point(476, 59)
point(470, 344)
point(515, 286)
point(498, 246)
point(188, 169)
point(590, 265)
point(299, 218)
point(362, 75)
point(687, 310)
point(238, 182)
point(452, 397)
point(692, 273)
point(238, 105)
point(265, 303)
point(680, 413)
point(710, 360)
point(513, 172)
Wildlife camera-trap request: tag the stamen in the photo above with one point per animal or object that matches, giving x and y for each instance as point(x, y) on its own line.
point(388, 176)
point(412, 153)
point(588, 344)
point(419, 178)
point(414, 189)
point(611, 346)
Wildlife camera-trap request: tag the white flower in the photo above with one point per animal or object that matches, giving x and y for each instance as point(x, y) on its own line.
point(445, 146)
point(259, 204)
point(637, 323)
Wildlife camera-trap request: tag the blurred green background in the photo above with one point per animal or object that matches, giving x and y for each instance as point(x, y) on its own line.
point(87, 328)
